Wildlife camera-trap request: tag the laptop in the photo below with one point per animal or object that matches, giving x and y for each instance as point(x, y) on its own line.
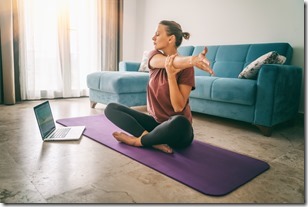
point(48, 129)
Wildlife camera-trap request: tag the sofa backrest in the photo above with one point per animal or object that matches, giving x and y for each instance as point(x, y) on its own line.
point(186, 50)
point(230, 60)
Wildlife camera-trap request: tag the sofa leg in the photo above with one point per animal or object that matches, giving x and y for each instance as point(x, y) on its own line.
point(92, 104)
point(266, 131)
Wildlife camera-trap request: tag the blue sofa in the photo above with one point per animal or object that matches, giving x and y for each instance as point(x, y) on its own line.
point(270, 99)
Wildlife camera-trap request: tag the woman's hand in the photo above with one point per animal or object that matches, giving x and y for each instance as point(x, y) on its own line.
point(170, 69)
point(202, 62)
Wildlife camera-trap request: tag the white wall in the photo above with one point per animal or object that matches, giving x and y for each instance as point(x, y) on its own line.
point(212, 22)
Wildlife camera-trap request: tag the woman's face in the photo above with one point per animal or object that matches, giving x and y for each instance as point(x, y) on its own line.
point(160, 38)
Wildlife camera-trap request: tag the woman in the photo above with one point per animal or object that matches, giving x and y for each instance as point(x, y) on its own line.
point(169, 122)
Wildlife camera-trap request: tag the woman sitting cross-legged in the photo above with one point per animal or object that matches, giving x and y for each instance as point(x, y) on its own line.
point(168, 123)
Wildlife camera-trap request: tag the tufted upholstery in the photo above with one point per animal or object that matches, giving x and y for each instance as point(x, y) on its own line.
point(229, 60)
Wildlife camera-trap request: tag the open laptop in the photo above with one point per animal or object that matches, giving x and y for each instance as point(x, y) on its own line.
point(47, 126)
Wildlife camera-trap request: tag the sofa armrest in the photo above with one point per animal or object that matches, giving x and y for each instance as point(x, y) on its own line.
point(278, 94)
point(129, 66)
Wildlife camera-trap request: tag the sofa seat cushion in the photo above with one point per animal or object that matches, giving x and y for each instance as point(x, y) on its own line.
point(233, 90)
point(203, 87)
point(118, 81)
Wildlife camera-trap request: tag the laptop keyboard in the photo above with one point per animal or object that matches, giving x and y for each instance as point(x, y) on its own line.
point(60, 133)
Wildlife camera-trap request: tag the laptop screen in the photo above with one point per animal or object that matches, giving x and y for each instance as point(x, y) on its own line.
point(44, 118)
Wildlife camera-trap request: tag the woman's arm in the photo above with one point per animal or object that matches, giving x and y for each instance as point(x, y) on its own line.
point(179, 94)
point(181, 62)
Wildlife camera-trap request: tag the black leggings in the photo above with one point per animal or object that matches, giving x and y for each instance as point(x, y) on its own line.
point(177, 132)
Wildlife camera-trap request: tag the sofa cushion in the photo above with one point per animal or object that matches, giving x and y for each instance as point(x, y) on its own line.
point(93, 80)
point(229, 60)
point(256, 50)
point(226, 60)
point(233, 90)
point(227, 69)
point(144, 62)
point(185, 50)
point(118, 82)
point(210, 55)
point(203, 87)
point(251, 70)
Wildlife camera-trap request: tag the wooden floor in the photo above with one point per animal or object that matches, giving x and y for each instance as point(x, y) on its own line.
point(32, 171)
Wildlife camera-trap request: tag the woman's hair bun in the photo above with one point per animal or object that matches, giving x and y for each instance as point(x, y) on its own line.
point(186, 35)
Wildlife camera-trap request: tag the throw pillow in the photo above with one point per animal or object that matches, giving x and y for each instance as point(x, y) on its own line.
point(251, 70)
point(144, 62)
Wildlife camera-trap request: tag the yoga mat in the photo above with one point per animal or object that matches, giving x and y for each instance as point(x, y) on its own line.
point(208, 169)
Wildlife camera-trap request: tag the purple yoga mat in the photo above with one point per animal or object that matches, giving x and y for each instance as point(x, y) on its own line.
point(203, 167)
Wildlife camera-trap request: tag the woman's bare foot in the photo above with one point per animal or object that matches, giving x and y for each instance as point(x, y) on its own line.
point(134, 141)
point(127, 139)
point(163, 147)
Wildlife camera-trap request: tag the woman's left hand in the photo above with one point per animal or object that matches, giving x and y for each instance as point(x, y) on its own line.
point(170, 69)
point(202, 62)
